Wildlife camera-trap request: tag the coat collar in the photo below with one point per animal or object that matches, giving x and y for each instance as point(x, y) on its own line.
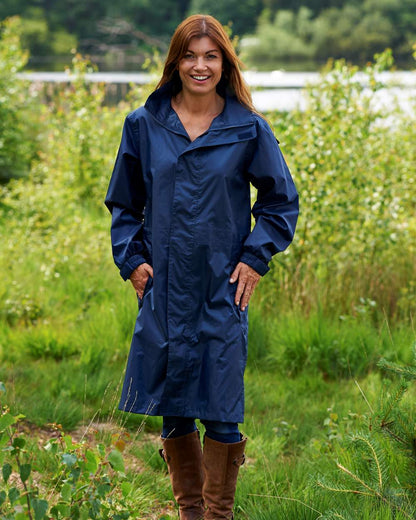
point(234, 114)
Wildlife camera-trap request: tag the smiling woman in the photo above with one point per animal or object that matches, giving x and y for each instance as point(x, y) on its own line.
point(181, 232)
point(200, 71)
point(201, 66)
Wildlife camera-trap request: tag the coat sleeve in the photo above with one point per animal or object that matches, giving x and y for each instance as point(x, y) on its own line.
point(126, 198)
point(276, 208)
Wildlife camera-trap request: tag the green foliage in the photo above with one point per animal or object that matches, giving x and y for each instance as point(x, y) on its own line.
point(40, 39)
point(356, 233)
point(66, 183)
point(16, 148)
point(88, 481)
point(57, 273)
point(376, 465)
point(306, 32)
point(354, 31)
point(286, 37)
point(240, 15)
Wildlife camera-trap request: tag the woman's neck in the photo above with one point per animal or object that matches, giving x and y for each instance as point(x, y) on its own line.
point(186, 103)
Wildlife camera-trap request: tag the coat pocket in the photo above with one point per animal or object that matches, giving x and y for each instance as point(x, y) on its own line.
point(147, 287)
point(236, 308)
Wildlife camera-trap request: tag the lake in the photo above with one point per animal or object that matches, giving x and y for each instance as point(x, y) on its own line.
point(274, 90)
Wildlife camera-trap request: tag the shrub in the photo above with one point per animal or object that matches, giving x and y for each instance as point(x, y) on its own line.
point(375, 465)
point(86, 482)
point(17, 141)
point(353, 165)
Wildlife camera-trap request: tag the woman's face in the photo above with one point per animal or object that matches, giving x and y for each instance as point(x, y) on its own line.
point(201, 68)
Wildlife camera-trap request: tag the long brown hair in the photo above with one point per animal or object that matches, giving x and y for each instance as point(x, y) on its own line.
point(199, 25)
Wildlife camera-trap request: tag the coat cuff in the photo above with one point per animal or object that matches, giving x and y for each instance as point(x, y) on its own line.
point(130, 265)
point(258, 265)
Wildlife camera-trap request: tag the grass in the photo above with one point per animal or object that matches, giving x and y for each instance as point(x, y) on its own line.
point(64, 351)
point(295, 421)
point(62, 361)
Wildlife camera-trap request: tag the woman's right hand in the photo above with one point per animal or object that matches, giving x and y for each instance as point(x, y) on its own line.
point(139, 278)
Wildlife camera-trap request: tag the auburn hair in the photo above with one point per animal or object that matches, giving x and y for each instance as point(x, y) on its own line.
point(197, 26)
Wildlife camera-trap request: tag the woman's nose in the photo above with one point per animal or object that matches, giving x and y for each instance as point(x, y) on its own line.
point(200, 64)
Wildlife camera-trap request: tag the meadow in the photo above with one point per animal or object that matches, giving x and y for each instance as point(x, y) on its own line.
point(329, 392)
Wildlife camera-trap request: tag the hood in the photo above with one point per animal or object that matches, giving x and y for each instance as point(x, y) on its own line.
point(233, 115)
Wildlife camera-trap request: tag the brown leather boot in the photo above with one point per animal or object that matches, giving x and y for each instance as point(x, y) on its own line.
point(221, 463)
point(183, 456)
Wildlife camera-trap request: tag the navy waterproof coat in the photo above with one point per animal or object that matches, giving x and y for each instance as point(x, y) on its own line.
point(184, 208)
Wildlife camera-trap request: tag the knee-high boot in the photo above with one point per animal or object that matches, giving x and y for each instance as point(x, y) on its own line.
point(183, 456)
point(221, 463)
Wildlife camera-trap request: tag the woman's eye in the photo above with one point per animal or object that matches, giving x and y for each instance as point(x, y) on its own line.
point(188, 56)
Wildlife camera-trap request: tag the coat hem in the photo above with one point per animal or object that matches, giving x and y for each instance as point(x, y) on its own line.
point(238, 418)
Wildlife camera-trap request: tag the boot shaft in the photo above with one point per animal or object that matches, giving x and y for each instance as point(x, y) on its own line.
point(221, 463)
point(183, 456)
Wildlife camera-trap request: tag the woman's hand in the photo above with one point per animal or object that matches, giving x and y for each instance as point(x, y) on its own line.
point(139, 278)
point(247, 278)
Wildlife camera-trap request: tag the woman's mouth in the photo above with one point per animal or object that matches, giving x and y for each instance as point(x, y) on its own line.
point(199, 77)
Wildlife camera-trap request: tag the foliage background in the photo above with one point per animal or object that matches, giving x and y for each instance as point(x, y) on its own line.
point(273, 33)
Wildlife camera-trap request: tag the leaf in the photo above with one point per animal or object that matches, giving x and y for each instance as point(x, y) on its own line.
point(7, 471)
point(2, 388)
point(125, 516)
point(14, 495)
point(126, 488)
point(66, 492)
point(92, 460)
point(61, 510)
point(68, 442)
point(103, 490)
point(4, 439)
point(95, 505)
point(75, 512)
point(25, 470)
point(120, 444)
point(6, 420)
point(3, 497)
point(19, 443)
point(39, 507)
point(75, 473)
point(115, 458)
point(85, 513)
point(69, 459)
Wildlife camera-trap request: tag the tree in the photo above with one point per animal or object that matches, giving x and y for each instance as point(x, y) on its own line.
point(242, 16)
point(287, 37)
point(316, 6)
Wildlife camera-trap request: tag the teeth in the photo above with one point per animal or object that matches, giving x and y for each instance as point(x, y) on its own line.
point(200, 78)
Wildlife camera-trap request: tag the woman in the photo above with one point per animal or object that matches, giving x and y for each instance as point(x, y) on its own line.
point(181, 219)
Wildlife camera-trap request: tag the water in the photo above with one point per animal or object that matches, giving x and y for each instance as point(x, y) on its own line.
point(275, 90)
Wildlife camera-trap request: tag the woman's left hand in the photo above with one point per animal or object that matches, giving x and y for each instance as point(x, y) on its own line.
point(247, 279)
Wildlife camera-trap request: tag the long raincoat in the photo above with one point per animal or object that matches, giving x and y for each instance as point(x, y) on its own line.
point(184, 208)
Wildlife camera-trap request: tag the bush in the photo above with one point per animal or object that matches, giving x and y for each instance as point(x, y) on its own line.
point(353, 164)
point(87, 481)
point(375, 465)
point(17, 142)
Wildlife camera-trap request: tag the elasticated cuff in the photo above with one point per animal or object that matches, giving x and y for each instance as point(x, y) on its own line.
point(258, 265)
point(130, 265)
